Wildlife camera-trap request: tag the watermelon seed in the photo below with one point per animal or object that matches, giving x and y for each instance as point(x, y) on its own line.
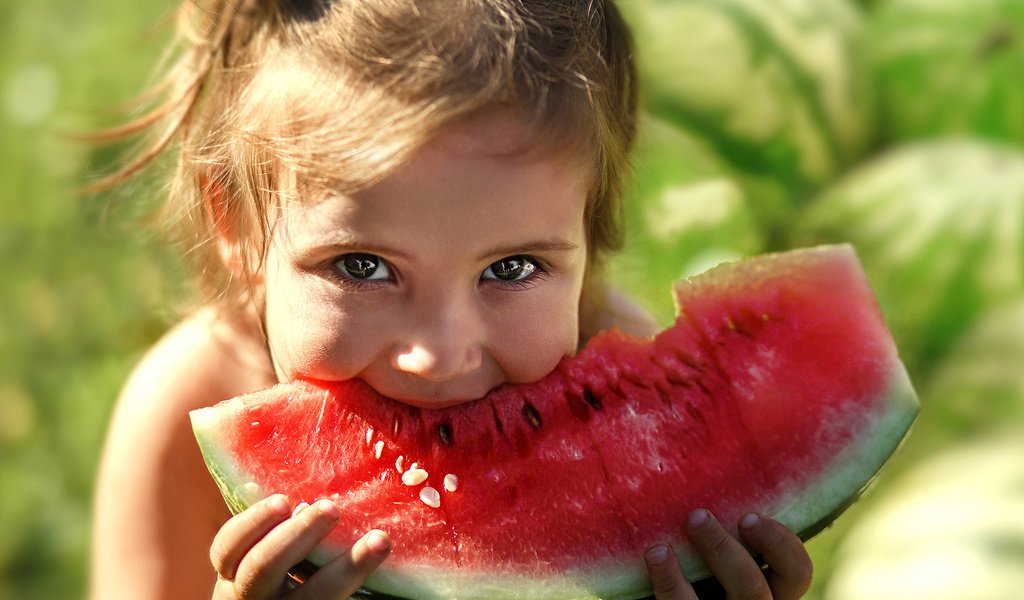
point(430, 497)
point(378, 448)
point(414, 477)
point(399, 464)
point(531, 415)
point(451, 483)
point(445, 433)
point(497, 420)
point(369, 435)
point(592, 399)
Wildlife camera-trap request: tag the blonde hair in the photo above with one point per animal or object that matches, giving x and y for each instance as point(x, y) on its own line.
point(270, 100)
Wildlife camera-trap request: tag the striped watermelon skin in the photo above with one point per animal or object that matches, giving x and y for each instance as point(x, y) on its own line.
point(896, 552)
point(977, 388)
point(779, 390)
point(940, 228)
point(684, 213)
point(948, 67)
point(778, 88)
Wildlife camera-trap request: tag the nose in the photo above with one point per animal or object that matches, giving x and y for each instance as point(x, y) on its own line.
point(443, 343)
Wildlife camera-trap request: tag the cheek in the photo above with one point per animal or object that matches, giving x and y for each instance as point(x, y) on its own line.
point(310, 335)
point(539, 336)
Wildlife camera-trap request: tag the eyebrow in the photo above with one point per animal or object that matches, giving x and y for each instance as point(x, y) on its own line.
point(538, 246)
point(351, 243)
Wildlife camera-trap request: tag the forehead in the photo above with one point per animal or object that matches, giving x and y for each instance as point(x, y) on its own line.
point(500, 134)
point(482, 176)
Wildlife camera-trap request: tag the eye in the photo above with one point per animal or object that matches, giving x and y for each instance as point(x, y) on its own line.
point(512, 268)
point(363, 267)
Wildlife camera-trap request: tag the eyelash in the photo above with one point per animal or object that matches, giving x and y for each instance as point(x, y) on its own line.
point(541, 273)
point(336, 275)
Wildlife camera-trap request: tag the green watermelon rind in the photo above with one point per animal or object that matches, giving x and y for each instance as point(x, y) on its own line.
point(858, 464)
point(230, 478)
point(806, 512)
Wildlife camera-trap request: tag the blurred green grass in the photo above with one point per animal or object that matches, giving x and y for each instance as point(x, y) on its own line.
point(84, 290)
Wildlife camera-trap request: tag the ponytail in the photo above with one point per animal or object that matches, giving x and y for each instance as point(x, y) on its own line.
point(209, 34)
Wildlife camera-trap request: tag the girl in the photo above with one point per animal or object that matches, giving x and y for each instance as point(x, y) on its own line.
point(415, 193)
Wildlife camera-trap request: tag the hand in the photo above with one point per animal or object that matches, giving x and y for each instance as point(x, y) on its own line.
point(253, 551)
point(787, 577)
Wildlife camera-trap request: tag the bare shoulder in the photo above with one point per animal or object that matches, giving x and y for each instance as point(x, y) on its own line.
point(614, 308)
point(204, 359)
point(156, 508)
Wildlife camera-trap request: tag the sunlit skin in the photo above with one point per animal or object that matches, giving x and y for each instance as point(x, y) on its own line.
point(459, 272)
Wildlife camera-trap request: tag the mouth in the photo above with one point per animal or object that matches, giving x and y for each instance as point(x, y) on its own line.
point(425, 395)
point(431, 402)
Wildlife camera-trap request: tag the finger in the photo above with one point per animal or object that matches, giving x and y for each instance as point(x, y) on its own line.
point(730, 562)
point(667, 577)
point(243, 530)
point(266, 565)
point(341, 577)
point(790, 567)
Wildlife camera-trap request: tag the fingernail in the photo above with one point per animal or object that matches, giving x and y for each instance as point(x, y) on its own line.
point(657, 555)
point(301, 506)
point(378, 542)
point(698, 518)
point(328, 509)
point(749, 521)
point(279, 503)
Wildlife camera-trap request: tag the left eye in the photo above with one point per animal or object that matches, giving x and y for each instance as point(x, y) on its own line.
point(513, 268)
point(363, 267)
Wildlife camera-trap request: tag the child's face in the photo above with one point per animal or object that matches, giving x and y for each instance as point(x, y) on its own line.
point(457, 273)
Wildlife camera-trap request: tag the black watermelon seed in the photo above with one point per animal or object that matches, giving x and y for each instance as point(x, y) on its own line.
point(592, 399)
point(531, 415)
point(444, 432)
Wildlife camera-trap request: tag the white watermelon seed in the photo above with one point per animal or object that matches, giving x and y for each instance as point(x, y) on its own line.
point(451, 483)
point(369, 435)
point(414, 477)
point(378, 448)
point(398, 464)
point(430, 497)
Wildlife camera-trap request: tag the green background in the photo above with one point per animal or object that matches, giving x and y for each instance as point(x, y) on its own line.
point(86, 287)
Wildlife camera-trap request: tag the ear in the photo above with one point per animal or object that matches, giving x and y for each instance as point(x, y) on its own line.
point(218, 211)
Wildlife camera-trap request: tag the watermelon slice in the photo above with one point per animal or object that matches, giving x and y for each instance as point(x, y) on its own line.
point(778, 390)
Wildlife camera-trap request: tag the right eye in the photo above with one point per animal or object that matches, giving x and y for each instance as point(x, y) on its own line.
point(363, 267)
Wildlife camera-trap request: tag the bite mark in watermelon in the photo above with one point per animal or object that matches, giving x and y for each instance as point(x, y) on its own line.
point(778, 390)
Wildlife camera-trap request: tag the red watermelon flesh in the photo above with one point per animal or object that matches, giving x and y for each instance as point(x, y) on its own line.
point(778, 390)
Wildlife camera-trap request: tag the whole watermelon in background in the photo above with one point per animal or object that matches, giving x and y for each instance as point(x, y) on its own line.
point(951, 528)
point(778, 89)
point(778, 390)
point(949, 66)
point(940, 228)
point(684, 214)
point(979, 384)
